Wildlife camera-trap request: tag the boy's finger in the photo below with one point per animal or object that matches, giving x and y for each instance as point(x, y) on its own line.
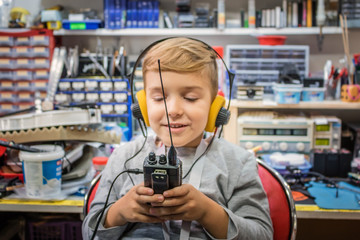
point(177, 191)
point(144, 191)
point(144, 199)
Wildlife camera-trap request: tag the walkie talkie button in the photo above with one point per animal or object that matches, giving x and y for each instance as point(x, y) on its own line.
point(152, 157)
point(162, 159)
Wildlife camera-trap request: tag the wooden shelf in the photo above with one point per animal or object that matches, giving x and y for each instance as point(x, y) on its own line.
point(335, 105)
point(198, 31)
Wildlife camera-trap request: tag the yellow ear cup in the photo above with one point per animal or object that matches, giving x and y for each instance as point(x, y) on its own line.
point(141, 97)
point(215, 107)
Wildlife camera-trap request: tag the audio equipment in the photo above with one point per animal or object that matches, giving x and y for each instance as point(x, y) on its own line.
point(160, 173)
point(218, 115)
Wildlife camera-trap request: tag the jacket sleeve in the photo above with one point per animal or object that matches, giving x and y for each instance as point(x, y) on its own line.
point(112, 169)
point(248, 206)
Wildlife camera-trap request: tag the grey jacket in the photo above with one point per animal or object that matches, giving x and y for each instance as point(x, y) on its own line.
point(229, 177)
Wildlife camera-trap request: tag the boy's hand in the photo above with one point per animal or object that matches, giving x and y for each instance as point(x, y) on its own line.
point(133, 207)
point(181, 203)
point(187, 203)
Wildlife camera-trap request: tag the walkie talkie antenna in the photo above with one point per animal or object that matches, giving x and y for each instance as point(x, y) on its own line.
point(172, 152)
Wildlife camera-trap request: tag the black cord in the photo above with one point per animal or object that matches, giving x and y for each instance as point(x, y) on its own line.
point(145, 136)
point(135, 171)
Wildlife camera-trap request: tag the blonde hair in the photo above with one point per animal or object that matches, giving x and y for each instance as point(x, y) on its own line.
point(183, 55)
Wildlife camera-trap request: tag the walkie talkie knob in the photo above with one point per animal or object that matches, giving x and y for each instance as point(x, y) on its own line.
point(162, 159)
point(152, 158)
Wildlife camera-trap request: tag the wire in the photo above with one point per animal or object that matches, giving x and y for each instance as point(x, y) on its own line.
point(145, 136)
point(135, 171)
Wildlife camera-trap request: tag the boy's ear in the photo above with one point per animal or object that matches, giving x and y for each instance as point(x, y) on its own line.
point(139, 109)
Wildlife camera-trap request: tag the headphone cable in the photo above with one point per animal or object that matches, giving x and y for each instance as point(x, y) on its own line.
point(135, 171)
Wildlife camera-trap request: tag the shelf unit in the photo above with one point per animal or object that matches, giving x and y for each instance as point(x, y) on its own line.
point(198, 31)
point(338, 108)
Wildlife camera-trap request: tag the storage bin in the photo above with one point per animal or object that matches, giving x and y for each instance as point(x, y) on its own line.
point(287, 93)
point(6, 63)
point(313, 94)
point(54, 230)
point(6, 41)
point(22, 75)
point(6, 52)
point(89, 24)
point(22, 52)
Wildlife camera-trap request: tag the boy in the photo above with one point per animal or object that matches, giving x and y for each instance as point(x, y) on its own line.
point(221, 195)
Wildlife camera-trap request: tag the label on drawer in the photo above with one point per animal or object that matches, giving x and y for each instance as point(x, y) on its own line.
point(39, 49)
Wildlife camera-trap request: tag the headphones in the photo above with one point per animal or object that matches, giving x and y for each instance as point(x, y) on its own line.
point(218, 115)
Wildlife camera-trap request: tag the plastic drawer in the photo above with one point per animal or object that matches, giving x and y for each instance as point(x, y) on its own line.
point(106, 108)
point(41, 74)
point(78, 85)
point(25, 96)
point(6, 52)
point(8, 75)
point(6, 41)
point(120, 97)
point(39, 41)
point(105, 85)
point(22, 52)
point(91, 85)
point(120, 85)
point(120, 108)
point(39, 85)
point(78, 97)
point(23, 85)
point(22, 41)
point(24, 63)
point(24, 105)
point(41, 63)
point(6, 107)
point(64, 86)
point(22, 75)
point(40, 52)
point(62, 98)
point(106, 96)
point(92, 97)
point(7, 63)
point(7, 84)
point(8, 96)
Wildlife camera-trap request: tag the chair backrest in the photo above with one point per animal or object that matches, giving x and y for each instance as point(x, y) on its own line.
point(281, 202)
point(89, 196)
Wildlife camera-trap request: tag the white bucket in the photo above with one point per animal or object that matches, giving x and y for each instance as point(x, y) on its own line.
point(42, 171)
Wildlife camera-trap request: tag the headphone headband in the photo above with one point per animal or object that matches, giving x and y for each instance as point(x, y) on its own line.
point(143, 53)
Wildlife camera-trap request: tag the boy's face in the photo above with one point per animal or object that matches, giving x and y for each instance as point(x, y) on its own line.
point(188, 100)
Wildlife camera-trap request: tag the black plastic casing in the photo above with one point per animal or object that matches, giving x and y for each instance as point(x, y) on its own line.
point(162, 176)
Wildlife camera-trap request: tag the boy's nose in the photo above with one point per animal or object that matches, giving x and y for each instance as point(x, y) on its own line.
point(174, 107)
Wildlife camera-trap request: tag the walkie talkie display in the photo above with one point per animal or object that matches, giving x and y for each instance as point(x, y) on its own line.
point(160, 172)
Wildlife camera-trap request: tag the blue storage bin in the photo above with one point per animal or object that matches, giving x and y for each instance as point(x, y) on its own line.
point(89, 24)
point(313, 94)
point(287, 93)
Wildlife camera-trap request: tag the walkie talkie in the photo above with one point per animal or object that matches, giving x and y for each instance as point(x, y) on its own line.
point(160, 172)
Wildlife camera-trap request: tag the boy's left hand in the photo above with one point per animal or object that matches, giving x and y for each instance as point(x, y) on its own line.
point(182, 203)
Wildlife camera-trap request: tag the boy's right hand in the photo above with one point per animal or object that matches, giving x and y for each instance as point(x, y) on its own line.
point(133, 207)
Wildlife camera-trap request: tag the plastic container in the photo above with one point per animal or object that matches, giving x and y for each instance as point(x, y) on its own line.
point(99, 163)
point(313, 94)
point(42, 171)
point(89, 24)
point(287, 93)
point(271, 40)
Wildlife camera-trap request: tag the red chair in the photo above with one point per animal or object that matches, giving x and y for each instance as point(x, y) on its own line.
point(281, 202)
point(89, 196)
